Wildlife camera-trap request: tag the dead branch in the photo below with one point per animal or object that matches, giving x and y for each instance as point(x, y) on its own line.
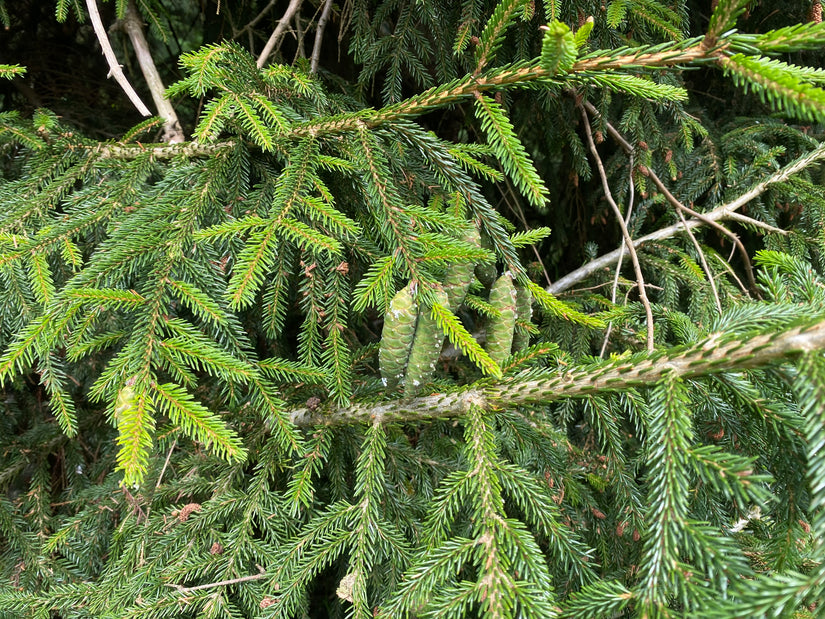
point(115, 69)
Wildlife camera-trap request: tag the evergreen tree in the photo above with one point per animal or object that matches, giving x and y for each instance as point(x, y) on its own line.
point(415, 309)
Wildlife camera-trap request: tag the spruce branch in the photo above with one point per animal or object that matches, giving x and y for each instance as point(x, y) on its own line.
point(718, 353)
point(720, 213)
point(114, 67)
point(186, 150)
point(684, 52)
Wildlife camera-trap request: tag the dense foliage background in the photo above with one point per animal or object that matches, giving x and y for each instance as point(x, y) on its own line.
point(402, 308)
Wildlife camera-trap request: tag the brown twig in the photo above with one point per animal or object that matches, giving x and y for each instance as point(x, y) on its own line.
point(132, 23)
point(640, 279)
point(275, 37)
point(319, 35)
point(631, 189)
point(706, 220)
point(114, 66)
point(253, 23)
point(705, 267)
point(720, 213)
point(221, 583)
point(750, 221)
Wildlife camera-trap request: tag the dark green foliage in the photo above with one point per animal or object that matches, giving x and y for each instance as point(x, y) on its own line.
point(326, 359)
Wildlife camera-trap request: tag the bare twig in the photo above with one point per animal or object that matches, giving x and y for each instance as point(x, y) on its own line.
point(640, 279)
point(720, 213)
point(132, 23)
point(220, 583)
point(708, 272)
point(319, 36)
point(710, 222)
point(275, 37)
point(253, 23)
point(519, 212)
point(631, 189)
point(750, 221)
point(114, 67)
point(160, 478)
point(718, 353)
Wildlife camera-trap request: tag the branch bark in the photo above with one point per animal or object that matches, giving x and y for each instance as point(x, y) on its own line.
point(132, 23)
point(114, 67)
point(718, 353)
point(133, 151)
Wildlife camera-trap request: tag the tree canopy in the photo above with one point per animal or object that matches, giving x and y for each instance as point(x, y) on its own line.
point(402, 308)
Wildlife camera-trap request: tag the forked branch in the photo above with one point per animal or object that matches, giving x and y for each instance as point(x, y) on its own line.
point(720, 213)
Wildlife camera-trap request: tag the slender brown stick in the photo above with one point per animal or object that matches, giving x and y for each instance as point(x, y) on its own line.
point(750, 221)
point(259, 17)
point(618, 270)
point(708, 272)
point(220, 583)
point(319, 35)
point(114, 66)
point(706, 220)
point(133, 25)
point(275, 37)
point(720, 213)
point(640, 279)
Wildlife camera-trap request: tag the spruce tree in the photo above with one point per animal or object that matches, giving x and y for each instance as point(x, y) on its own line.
point(491, 308)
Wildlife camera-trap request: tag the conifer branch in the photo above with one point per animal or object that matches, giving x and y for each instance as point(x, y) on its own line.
point(166, 151)
point(718, 353)
point(686, 52)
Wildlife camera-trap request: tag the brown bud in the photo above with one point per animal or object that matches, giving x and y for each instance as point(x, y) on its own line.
point(187, 510)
